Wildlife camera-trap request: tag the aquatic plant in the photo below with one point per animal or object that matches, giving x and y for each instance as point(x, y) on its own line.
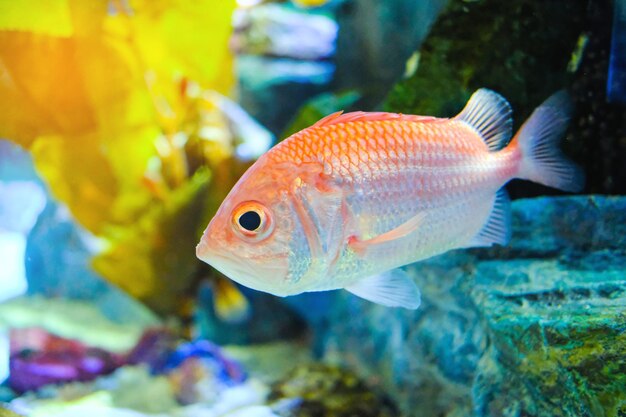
point(115, 103)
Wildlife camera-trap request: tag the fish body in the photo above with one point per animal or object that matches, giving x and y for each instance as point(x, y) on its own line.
point(344, 202)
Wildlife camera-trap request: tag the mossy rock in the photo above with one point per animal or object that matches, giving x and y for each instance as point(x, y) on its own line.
point(520, 48)
point(526, 50)
point(536, 328)
point(320, 390)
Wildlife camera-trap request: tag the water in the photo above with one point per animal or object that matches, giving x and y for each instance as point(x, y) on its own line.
point(125, 125)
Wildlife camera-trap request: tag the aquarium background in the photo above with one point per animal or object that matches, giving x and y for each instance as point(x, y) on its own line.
point(126, 122)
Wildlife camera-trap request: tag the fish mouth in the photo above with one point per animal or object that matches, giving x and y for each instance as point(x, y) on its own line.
point(201, 250)
point(260, 276)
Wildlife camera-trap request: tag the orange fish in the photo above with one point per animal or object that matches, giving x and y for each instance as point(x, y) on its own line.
point(345, 202)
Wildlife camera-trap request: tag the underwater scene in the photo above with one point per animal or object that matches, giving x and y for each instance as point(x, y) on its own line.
point(311, 208)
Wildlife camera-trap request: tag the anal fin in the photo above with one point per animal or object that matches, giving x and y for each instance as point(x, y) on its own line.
point(497, 229)
point(392, 289)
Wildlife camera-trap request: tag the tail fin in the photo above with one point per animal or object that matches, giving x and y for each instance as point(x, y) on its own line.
point(538, 140)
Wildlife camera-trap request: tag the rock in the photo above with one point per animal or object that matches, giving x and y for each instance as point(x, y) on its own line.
point(599, 127)
point(535, 328)
point(523, 60)
point(526, 51)
point(55, 270)
point(321, 390)
point(16, 163)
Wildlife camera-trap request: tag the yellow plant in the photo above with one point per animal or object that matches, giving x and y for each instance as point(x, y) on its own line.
point(111, 97)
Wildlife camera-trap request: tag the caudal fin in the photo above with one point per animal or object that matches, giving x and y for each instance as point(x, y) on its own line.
point(538, 140)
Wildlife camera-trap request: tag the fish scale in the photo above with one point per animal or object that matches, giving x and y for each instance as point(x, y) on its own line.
point(432, 160)
point(442, 160)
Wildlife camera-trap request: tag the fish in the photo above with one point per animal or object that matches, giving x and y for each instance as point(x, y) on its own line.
point(311, 3)
point(348, 201)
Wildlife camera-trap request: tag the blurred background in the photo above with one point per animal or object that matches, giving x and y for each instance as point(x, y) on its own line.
point(124, 123)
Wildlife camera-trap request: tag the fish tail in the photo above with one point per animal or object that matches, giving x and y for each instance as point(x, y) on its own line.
point(537, 142)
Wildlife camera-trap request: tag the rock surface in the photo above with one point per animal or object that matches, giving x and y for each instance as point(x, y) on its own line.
point(320, 390)
point(526, 51)
point(536, 328)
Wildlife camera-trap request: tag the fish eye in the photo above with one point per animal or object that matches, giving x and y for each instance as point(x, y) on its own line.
point(252, 221)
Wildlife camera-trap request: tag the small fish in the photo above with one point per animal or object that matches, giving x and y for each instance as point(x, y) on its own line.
point(345, 202)
point(311, 3)
point(229, 304)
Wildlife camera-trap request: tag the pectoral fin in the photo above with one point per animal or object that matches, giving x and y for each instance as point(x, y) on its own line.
point(406, 228)
point(392, 289)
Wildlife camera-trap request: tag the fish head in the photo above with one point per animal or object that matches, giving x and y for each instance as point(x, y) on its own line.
point(255, 238)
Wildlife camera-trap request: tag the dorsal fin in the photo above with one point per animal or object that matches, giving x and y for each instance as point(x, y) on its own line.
point(361, 116)
point(490, 114)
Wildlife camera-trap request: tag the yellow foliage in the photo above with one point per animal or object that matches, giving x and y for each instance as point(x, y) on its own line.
point(47, 17)
point(154, 259)
point(101, 92)
point(186, 37)
point(58, 160)
point(102, 74)
point(41, 98)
